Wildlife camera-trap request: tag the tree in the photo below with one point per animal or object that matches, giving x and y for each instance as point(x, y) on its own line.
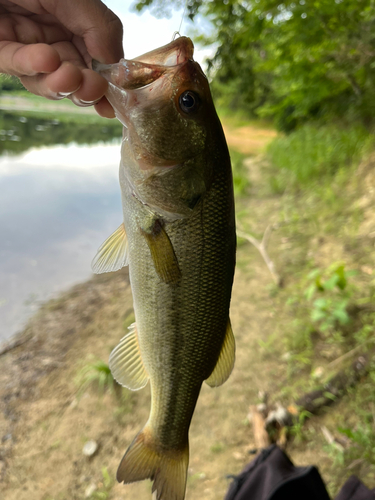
point(292, 60)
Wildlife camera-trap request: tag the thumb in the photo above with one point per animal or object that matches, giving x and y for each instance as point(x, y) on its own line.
point(92, 21)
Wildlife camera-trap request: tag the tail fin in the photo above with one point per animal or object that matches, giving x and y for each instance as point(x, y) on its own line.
point(168, 471)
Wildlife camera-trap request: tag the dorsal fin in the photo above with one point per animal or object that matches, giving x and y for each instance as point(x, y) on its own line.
point(126, 362)
point(112, 254)
point(225, 363)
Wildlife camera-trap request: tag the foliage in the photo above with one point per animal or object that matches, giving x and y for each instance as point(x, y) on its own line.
point(292, 60)
point(329, 309)
point(9, 84)
point(312, 153)
point(297, 429)
point(96, 373)
point(106, 485)
point(240, 178)
point(325, 306)
point(362, 438)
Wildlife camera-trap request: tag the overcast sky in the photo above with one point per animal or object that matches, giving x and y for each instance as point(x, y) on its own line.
point(144, 32)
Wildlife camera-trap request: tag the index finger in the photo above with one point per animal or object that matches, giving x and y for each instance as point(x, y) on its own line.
point(27, 60)
point(99, 27)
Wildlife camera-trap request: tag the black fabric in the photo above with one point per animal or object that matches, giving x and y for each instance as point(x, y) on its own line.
point(272, 476)
point(353, 489)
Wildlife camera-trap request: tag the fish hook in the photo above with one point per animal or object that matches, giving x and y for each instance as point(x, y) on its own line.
point(175, 34)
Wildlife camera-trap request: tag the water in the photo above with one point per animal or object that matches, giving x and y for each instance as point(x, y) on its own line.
point(57, 205)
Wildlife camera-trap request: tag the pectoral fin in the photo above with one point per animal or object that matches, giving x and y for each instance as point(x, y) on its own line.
point(225, 363)
point(162, 253)
point(126, 362)
point(112, 254)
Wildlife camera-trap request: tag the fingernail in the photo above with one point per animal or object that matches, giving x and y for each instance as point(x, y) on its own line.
point(62, 95)
point(89, 103)
point(58, 95)
point(82, 102)
point(65, 94)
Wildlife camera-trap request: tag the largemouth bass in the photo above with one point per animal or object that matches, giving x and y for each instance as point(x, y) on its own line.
point(178, 238)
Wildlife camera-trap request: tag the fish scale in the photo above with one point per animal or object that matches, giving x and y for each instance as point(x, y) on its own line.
point(179, 242)
point(199, 331)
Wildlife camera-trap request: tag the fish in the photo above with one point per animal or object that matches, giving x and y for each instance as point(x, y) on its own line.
point(178, 239)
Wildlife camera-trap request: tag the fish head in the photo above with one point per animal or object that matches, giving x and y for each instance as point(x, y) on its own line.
point(170, 124)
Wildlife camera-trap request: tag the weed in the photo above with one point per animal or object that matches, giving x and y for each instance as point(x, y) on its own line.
point(365, 335)
point(363, 439)
point(217, 447)
point(105, 486)
point(96, 373)
point(336, 454)
point(297, 428)
point(329, 310)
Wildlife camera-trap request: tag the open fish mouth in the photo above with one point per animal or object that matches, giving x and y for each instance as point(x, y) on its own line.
point(131, 74)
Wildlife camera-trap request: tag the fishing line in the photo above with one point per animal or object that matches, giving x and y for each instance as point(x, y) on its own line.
point(182, 19)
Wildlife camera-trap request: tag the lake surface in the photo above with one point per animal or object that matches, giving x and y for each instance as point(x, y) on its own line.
point(58, 203)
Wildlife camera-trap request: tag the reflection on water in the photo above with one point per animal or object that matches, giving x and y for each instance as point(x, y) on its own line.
point(20, 133)
point(57, 205)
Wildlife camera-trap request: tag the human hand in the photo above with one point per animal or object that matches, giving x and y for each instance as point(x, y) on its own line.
point(49, 45)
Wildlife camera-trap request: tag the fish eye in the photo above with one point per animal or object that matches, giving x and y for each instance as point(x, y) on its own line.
point(189, 101)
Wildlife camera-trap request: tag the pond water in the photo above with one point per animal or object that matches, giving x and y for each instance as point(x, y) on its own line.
point(59, 200)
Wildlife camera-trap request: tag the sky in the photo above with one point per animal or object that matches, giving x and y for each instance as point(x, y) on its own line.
point(144, 32)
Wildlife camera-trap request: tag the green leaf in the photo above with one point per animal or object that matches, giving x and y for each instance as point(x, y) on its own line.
point(341, 316)
point(321, 303)
point(329, 395)
point(319, 285)
point(318, 315)
point(342, 277)
point(346, 431)
point(309, 292)
point(331, 283)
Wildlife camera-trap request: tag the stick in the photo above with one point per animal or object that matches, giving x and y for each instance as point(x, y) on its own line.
point(261, 437)
point(261, 247)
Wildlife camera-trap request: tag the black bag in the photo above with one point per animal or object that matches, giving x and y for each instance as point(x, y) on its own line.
point(272, 476)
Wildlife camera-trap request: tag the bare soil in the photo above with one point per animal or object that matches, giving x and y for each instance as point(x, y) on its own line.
point(45, 421)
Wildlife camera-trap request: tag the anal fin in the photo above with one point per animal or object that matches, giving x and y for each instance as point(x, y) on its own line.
point(225, 363)
point(126, 362)
point(112, 255)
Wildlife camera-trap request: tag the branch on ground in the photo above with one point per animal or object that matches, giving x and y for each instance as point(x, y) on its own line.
point(261, 246)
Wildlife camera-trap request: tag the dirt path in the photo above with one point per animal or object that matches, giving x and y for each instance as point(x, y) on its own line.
point(249, 140)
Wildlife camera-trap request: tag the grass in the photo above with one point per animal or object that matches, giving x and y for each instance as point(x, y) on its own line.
point(312, 153)
point(240, 118)
point(241, 181)
point(98, 374)
point(105, 486)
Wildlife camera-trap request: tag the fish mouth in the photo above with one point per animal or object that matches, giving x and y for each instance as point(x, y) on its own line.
point(131, 74)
